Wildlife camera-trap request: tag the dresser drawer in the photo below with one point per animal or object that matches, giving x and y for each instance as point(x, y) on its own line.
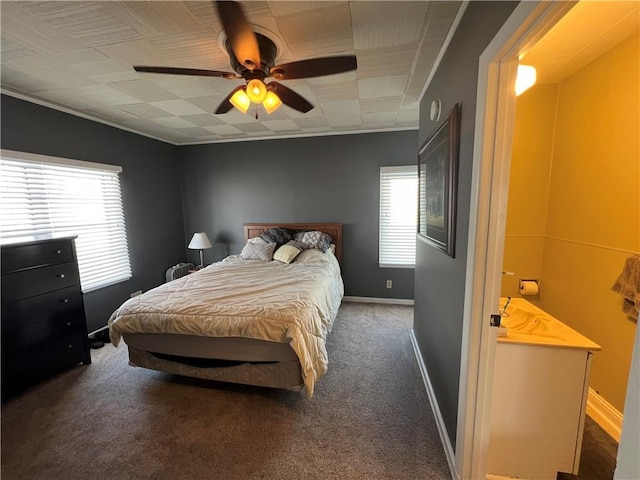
point(34, 255)
point(40, 335)
point(29, 283)
point(56, 308)
point(33, 365)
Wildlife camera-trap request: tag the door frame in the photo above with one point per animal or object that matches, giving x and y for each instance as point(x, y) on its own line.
point(494, 124)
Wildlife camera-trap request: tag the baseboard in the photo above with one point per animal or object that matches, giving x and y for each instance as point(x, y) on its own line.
point(604, 414)
point(444, 438)
point(389, 301)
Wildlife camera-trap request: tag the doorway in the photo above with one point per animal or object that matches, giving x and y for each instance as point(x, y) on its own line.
point(494, 125)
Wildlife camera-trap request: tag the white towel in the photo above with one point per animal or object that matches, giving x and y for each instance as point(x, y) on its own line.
point(628, 285)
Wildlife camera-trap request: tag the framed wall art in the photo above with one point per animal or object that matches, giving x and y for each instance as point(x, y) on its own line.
point(438, 178)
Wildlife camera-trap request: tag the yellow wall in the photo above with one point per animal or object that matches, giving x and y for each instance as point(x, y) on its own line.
point(529, 186)
point(593, 206)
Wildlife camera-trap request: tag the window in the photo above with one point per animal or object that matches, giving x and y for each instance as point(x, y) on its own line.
point(398, 216)
point(44, 196)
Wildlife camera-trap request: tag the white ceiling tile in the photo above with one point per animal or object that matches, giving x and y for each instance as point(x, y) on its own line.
point(341, 91)
point(252, 127)
point(198, 50)
point(144, 90)
point(11, 49)
point(144, 110)
point(105, 95)
point(391, 23)
point(152, 19)
point(280, 125)
point(379, 118)
point(313, 122)
point(189, 86)
point(378, 62)
point(224, 130)
point(91, 23)
point(173, 122)
point(137, 52)
point(345, 121)
point(376, 87)
point(178, 107)
point(333, 110)
point(113, 77)
point(195, 132)
point(382, 104)
point(203, 120)
point(23, 28)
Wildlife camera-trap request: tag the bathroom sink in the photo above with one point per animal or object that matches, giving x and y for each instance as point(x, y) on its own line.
point(519, 320)
point(527, 324)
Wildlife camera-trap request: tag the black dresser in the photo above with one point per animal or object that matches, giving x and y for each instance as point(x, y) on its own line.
point(44, 329)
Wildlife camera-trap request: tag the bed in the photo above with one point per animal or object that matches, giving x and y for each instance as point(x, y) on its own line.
point(241, 320)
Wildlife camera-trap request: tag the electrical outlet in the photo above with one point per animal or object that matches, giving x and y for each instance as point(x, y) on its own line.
point(136, 293)
point(389, 284)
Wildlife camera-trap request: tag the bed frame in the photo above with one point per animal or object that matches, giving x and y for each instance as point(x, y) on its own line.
point(246, 361)
point(334, 230)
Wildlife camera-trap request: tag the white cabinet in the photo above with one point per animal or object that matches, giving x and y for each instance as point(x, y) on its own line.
point(539, 402)
point(541, 381)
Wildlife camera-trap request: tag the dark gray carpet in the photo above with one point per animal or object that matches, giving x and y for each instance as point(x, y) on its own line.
point(369, 418)
point(598, 457)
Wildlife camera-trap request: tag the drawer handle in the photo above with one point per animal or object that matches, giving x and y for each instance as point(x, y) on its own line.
point(64, 300)
point(70, 346)
point(60, 275)
point(58, 252)
point(68, 324)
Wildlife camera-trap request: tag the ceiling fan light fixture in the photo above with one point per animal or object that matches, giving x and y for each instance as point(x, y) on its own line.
point(240, 100)
point(256, 90)
point(271, 102)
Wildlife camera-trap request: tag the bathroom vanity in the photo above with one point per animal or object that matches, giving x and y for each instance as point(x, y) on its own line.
point(541, 381)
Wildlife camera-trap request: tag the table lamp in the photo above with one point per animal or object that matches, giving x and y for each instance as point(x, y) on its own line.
point(201, 242)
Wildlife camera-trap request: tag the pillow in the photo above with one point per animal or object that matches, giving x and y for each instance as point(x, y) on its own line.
point(315, 239)
point(297, 244)
point(286, 253)
point(258, 240)
point(256, 251)
point(310, 255)
point(278, 235)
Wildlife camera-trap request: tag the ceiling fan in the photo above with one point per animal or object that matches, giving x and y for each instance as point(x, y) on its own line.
point(252, 57)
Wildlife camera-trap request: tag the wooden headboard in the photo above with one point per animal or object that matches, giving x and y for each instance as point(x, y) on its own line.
point(334, 230)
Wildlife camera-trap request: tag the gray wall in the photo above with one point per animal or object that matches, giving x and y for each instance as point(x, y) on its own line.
point(316, 179)
point(439, 280)
point(150, 189)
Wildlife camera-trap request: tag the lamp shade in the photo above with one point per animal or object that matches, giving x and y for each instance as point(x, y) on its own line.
point(256, 91)
point(240, 100)
point(200, 241)
point(271, 102)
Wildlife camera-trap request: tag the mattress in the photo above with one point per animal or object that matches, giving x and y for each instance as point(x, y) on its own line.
point(291, 307)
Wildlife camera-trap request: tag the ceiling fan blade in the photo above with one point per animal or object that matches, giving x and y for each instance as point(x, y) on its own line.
point(239, 33)
point(226, 105)
point(314, 67)
point(186, 71)
point(289, 97)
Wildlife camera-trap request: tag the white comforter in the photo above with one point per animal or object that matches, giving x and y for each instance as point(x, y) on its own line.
point(295, 304)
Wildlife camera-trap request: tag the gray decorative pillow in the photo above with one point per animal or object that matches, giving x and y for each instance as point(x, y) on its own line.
point(297, 244)
point(315, 239)
point(278, 235)
point(256, 251)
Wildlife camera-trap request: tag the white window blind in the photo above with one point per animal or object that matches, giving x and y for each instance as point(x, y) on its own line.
point(398, 216)
point(46, 196)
